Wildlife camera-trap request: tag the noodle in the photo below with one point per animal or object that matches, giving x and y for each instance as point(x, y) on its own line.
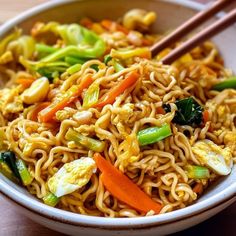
point(159, 169)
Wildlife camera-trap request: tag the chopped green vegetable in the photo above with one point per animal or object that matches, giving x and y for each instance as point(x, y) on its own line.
point(197, 172)
point(51, 200)
point(91, 95)
point(73, 60)
point(89, 143)
point(95, 67)
point(10, 159)
point(24, 173)
point(6, 171)
point(153, 134)
point(227, 84)
point(44, 50)
point(118, 67)
point(189, 112)
point(73, 69)
point(107, 58)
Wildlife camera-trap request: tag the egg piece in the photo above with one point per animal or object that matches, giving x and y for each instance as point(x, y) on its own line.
point(72, 176)
point(37, 92)
point(219, 160)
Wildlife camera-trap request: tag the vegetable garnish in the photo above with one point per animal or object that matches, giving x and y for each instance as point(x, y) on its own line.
point(227, 84)
point(89, 143)
point(189, 112)
point(121, 187)
point(197, 172)
point(73, 69)
point(91, 95)
point(118, 67)
point(205, 116)
point(137, 52)
point(14, 168)
point(25, 81)
point(75, 91)
point(153, 134)
point(39, 107)
point(113, 26)
point(24, 173)
point(110, 97)
point(51, 200)
point(198, 188)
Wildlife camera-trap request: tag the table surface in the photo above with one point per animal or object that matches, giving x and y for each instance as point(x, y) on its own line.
point(15, 224)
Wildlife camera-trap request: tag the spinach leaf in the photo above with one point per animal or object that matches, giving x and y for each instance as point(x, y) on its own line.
point(189, 112)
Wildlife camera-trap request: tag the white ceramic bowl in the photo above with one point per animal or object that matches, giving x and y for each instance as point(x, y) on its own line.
point(170, 14)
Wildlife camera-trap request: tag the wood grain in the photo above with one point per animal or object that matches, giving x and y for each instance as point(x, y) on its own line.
point(12, 223)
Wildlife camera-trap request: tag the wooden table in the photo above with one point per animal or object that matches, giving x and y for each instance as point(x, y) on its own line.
point(12, 223)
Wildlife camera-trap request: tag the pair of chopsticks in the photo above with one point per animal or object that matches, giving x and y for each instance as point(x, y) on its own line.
point(200, 37)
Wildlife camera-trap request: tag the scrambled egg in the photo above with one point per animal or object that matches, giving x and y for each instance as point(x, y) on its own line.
point(213, 156)
point(72, 176)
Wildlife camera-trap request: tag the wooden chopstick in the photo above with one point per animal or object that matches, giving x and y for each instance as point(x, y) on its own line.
point(199, 38)
point(189, 25)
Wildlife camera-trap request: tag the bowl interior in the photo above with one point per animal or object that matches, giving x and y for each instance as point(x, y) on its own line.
point(170, 15)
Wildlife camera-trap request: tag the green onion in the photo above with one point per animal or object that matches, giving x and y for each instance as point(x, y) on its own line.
point(91, 95)
point(24, 173)
point(118, 67)
point(89, 143)
point(228, 83)
point(107, 58)
point(51, 200)
point(197, 172)
point(43, 48)
point(73, 69)
point(95, 67)
point(74, 60)
point(153, 134)
point(6, 171)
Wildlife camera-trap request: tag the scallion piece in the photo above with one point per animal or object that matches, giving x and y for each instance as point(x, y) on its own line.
point(89, 143)
point(74, 60)
point(91, 95)
point(6, 171)
point(227, 84)
point(73, 69)
point(43, 48)
point(153, 134)
point(24, 173)
point(107, 58)
point(51, 200)
point(118, 67)
point(197, 172)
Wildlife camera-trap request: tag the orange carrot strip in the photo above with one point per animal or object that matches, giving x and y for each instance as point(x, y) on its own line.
point(198, 188)
point(39, 107)
point(75, 91)
point(111, 96)
point(205, 116)
point(112, 26)
point(86, 22)
point(121, 187)
point(25, 82)
point(160, 110)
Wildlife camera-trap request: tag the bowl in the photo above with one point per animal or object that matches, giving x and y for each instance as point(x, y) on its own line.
point(171, 13)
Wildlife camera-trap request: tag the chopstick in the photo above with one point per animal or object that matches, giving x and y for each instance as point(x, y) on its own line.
point(190, 25)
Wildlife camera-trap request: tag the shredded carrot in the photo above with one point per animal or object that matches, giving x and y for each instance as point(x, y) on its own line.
point(198, 188)
point(110, 96)
point(75, 91)
point(113, 26)
point(205, 116)
point(25, 81)
point(121, 187)
point(146, 42)
point(39, 107)
point(86, 22)
point(160, 110)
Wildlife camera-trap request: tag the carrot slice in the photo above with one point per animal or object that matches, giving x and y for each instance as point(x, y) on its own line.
point(205, 116)
point(37, 109)
point(75, 91)
point(198, 188)
point(112, 26)
point(111, 95)
point(160, 110)
point(25, 82)
point(121, 187)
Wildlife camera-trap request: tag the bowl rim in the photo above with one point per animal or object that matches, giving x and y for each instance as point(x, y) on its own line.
point(93, 221)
